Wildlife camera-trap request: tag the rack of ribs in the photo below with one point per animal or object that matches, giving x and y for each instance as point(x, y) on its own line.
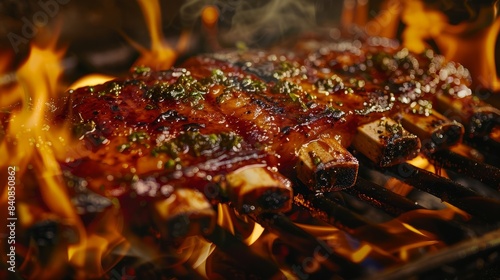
point(243, 126)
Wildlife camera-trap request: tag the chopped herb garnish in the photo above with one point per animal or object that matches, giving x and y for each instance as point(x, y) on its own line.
point(197, 144)
point(316, 159)
point(290, 89)
point(170, 164)
point(234, 83)
point(186, 88)
point(332, 84)
point(286, 69)
point(114, 88)
point(138, 136)
point(141, 69)
point(134, 139)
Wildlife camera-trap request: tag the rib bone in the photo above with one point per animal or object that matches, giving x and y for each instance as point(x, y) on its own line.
point(327, 165)
point(256, 189)
point(386, 142)
point(435, 130)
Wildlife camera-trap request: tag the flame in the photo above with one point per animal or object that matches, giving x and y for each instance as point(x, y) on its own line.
point(105, 244)
point(209, 18)
point(90, 80)
point(420, 161)
point(209, 15)
point(30, 139)
point(471, 42)
point(229, 219)
point(36, 144)
point(397, 186)
point(27, 138)
point(391, 242)
point(411, 228)
point(160, 55)
point(361, 253)
point(345, 244)
point(225, 217)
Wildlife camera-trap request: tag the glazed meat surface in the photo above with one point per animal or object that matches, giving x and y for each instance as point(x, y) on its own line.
point(191, 126)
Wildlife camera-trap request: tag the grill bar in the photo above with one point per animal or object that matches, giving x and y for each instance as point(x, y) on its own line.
point(307, 244)
point(236, 249)
point(463, 259)
point(482, 172)
point(329, 211)
point(382, 198)
point(448, 190)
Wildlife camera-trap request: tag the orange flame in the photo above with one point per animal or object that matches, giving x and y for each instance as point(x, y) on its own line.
point(209, 18)
point(472, 42)
point(90, 80)
point(30, 140)
point(392, 242)
point(36, 144)
point(161, 55)
point(242, 225)
point(209, 15)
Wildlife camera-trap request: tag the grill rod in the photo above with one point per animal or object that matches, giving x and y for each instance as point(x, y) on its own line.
point(451, 263)
point(307, 244)
point(448, 190)
point(485, 173)
point(382, 198)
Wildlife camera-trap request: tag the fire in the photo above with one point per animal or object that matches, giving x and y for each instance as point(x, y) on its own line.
point(26, 138)
point(209, 18)
point(10, 90)
point(35, 144)
point(29, 141)
point(422, 162)
point(399, 187)
point(396, 186)
point(238, 224)
point(210, 15)
point(160, 55)
point(90, 80)
point(391, 242)
point(471, 42)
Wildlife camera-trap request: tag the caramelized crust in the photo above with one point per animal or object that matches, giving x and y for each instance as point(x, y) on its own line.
point(218, 113)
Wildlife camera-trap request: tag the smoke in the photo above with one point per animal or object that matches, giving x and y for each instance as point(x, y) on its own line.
point(255, 23)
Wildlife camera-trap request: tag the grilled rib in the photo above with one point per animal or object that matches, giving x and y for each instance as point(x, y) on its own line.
point(152, 134)
point(265, 113)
